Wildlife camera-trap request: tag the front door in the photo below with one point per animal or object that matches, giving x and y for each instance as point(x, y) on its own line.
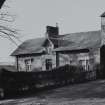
point(48, 64)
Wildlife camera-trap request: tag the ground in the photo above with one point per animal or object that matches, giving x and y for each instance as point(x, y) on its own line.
point(91, 93)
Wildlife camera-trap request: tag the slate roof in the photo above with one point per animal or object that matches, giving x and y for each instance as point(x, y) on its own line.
point(81, 40)
point(30, 46)
point(73, 41)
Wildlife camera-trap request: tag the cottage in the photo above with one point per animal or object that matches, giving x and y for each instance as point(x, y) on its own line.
point(37, 54)
point(84, 49)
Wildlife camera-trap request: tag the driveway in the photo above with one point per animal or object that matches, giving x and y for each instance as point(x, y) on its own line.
point(91, 93)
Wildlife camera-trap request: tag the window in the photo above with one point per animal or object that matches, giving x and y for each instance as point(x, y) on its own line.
point(71, 62)
point(84, 64)
point(28, 64)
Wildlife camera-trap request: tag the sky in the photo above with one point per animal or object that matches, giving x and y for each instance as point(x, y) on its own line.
point(32, 17)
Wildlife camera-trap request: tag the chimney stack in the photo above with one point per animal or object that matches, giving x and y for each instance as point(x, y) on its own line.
point(52, 32)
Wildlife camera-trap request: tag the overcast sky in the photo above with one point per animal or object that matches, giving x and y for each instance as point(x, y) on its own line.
point(32, 17)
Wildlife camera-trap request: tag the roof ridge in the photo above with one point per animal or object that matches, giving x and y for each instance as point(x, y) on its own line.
point(80, 32)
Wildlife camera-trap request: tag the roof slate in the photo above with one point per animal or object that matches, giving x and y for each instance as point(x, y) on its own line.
point(30, 46)
point(73, 41)
point(81, 40)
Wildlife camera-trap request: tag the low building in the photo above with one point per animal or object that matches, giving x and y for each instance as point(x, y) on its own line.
point(84, 49)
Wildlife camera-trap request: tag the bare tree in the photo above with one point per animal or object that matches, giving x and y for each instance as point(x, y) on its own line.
point(1, 3)
point(6, 31)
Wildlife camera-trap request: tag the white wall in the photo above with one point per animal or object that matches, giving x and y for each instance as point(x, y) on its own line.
point(38, 62)
point(93, 56)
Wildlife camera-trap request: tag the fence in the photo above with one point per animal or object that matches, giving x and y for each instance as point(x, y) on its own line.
point(12, 82)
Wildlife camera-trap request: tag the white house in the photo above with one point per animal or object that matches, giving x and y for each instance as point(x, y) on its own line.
point(84, 49)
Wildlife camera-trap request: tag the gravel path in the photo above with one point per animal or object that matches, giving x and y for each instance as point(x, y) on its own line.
point(91, 93)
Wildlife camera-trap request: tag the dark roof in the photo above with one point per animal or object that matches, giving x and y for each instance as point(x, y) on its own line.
point(103, 14)
point(30, 46)
point(73, 41)
point(81, 40)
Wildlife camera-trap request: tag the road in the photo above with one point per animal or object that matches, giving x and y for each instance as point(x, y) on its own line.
point(91, 93)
